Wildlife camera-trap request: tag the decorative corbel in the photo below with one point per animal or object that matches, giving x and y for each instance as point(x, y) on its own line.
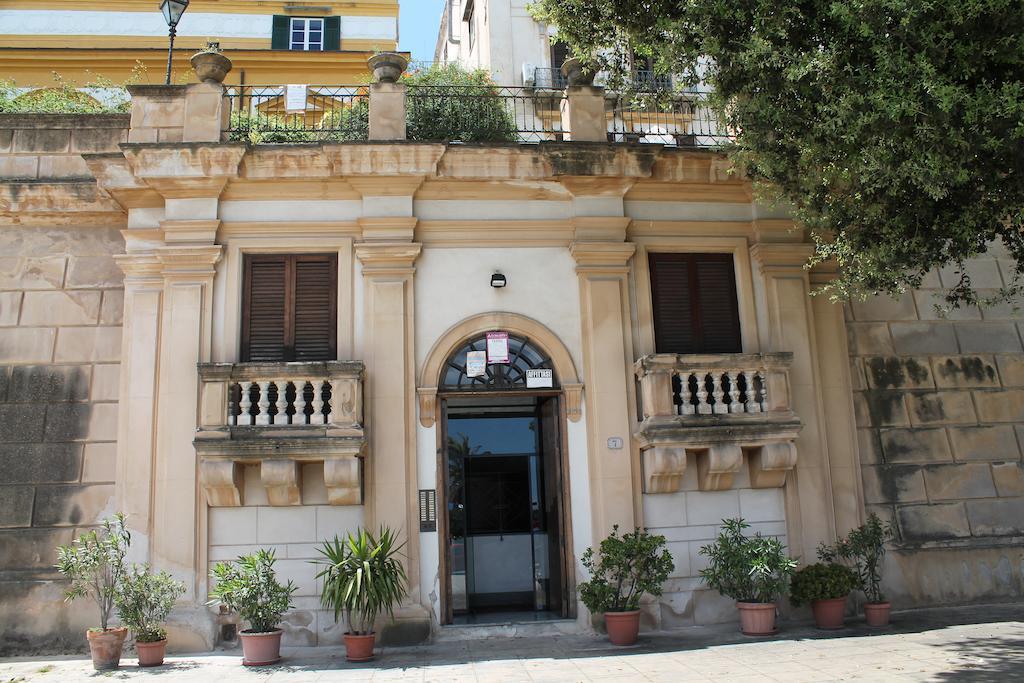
point(428, 405)
point(770, 464)
point(281, 480)
point(222, 482)
point(717, 465)
point(573, 401)
point(341, 476)
point(664, 467)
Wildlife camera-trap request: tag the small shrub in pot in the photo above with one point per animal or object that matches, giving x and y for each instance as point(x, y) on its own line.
point(249, 586)
point(95, 566)
point(864, 548)
point(144, 603)
point(621, 572)
point(825, 586)
point(752, 570)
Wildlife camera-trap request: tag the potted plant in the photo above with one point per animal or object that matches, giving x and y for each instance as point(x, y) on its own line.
point(144, 603)
point(825, 586)
point(95, 566)
point(210, 64)
point(250, 587)
point(388, 67)
point(864, 547)
point(624, 568)
point(363, 577)
point(752, 570)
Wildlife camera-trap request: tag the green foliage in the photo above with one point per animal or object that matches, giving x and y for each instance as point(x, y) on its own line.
point(250, 587)
point(864, 548)
point(260, 129)
point(64, 97)
point(95, 565)
point(746, 568)
point(821, 581)
point(363, 577)
point(145, 601)
point(894, 128)
point(450, 103)
point(624, 569)
point(348, 123)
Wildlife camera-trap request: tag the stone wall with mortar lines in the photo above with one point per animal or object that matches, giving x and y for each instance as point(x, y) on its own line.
point(50, 146)
point(61, 301)
point(939, 402)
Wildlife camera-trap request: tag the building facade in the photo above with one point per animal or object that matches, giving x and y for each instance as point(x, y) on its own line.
point(245, 346)
point(270, 42)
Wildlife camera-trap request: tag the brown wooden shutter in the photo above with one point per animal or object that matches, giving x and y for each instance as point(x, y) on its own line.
point(693, 298)
point(289, 307)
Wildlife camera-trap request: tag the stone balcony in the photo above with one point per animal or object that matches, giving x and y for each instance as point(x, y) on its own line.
point(726, 410)
point(280, 416)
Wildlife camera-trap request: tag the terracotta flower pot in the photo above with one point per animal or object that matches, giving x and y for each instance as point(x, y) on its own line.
point(757, 618)
point(623, 627)
point(877, 613)
point(211, 67)
point(387, 67)
point(572, 70)
point(105, 647)
point(151, 654)
point(829, 614)
point(359, 648)
point(261, 649)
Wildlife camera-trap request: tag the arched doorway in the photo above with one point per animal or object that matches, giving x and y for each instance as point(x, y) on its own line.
point(506, 549)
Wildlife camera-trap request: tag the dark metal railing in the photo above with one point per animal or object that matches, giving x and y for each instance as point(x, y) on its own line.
point(482, 113)
point(319, 113)
point(682, 119)
point(548, 78)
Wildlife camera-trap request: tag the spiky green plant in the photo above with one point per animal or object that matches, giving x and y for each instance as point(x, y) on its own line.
point(95, 565)
point(250, 587)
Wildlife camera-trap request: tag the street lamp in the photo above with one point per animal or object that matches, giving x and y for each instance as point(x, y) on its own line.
point(172, 11)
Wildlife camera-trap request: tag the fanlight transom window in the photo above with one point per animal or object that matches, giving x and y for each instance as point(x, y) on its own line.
point(523, 356)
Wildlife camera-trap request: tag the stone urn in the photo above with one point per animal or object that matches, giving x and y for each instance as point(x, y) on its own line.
point(210, 66)
point(575, 74)
point(387, 67)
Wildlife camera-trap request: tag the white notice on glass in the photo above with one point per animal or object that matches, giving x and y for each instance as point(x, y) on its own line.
point(295, 97)
point(539, 379)
point(497, 347)
point(476, 363)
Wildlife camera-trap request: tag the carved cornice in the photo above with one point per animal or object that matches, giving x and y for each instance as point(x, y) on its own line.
point(388, 229)
point(189, 261)
point(781, 257)
point(602, 257)
point(384, 159)
point(388, 258)
point(600, 228)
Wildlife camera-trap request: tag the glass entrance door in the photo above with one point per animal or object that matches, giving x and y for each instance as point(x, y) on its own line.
point(500, 550)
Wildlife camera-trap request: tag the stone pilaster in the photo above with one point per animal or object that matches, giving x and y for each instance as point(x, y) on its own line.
point(583, 114)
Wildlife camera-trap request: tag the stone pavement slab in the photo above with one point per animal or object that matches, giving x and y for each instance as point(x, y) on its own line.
point(974, 644)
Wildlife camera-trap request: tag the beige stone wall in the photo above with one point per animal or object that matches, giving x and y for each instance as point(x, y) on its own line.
point(940, 415)
point(46, 146)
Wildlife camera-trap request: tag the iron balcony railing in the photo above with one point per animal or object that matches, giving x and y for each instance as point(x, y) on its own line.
point(312, 113)
point(482, 113)
point(551, 78)
point(682, 119)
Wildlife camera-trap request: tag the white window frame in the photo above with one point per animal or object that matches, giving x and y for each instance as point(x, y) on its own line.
point(306, 24)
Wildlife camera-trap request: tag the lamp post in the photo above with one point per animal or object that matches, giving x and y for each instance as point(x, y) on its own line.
point(172, 11)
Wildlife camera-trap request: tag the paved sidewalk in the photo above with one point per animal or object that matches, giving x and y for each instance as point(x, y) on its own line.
point(978, 644)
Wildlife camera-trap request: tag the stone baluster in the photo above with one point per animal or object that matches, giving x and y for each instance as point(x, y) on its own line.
point(718, 394)
point(686, 407)
point(763, 402)
point(245, 405)
point(282, 402)
point(703, 405)
point(734, 392)
point(318, 417)
point(752, 405)
point(300, 402)
point(263, 406)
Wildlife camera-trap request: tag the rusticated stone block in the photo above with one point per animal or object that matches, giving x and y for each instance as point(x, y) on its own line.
point(892, 372)
point(40, 463)
point(893, 484)
point(1001, 517)
point(16, 506)
point(98, 139)
point(870, 446)
point(21, 422)
point(63, 166)
point(25, 166)
point(984, 443)
point(1011, 370)
point(911, 339)
point(99, 463)
point(94, 271)
point(31, 548)
point(71, 505)
point(885, 308)
point(32, 272)
point(68, 421)
point(965, 372)
point(1000, 406)
point(6, 136)
point(60, 308)
point(915, 445)
point(49, 383)
point(931, 305)
point(983, 273)
point(106, 382)
point(877, 408)
point(933, 522)
point(962, 480)
point(42, 140)
point(988, 337)
point(89, 344)
point(1009, 478)
point(112, 311)
point(869, 339)
point(941, 407)
point(10, 308)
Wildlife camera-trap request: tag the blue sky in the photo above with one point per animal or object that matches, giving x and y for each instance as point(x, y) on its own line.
point(418, 23)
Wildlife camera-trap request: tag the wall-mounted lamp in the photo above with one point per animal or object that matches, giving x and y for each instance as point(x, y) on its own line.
point(498, 280)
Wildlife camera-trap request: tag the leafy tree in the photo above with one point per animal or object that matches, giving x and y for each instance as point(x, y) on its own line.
point(450, 103)
point(894, 128)
point(624, 568)
point(95, 565)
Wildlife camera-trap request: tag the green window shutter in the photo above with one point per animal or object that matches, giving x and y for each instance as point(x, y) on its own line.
point(279, 35)
point(332, 33)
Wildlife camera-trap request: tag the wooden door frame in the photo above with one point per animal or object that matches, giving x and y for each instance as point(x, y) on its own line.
point(567, 563)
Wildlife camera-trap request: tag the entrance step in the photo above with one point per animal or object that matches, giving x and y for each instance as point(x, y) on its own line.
point(527, 629)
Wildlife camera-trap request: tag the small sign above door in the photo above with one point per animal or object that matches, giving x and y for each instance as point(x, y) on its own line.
point(497, 348)
point(539, 379)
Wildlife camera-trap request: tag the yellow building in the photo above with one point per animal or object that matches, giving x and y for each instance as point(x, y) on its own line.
point(270, 42)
